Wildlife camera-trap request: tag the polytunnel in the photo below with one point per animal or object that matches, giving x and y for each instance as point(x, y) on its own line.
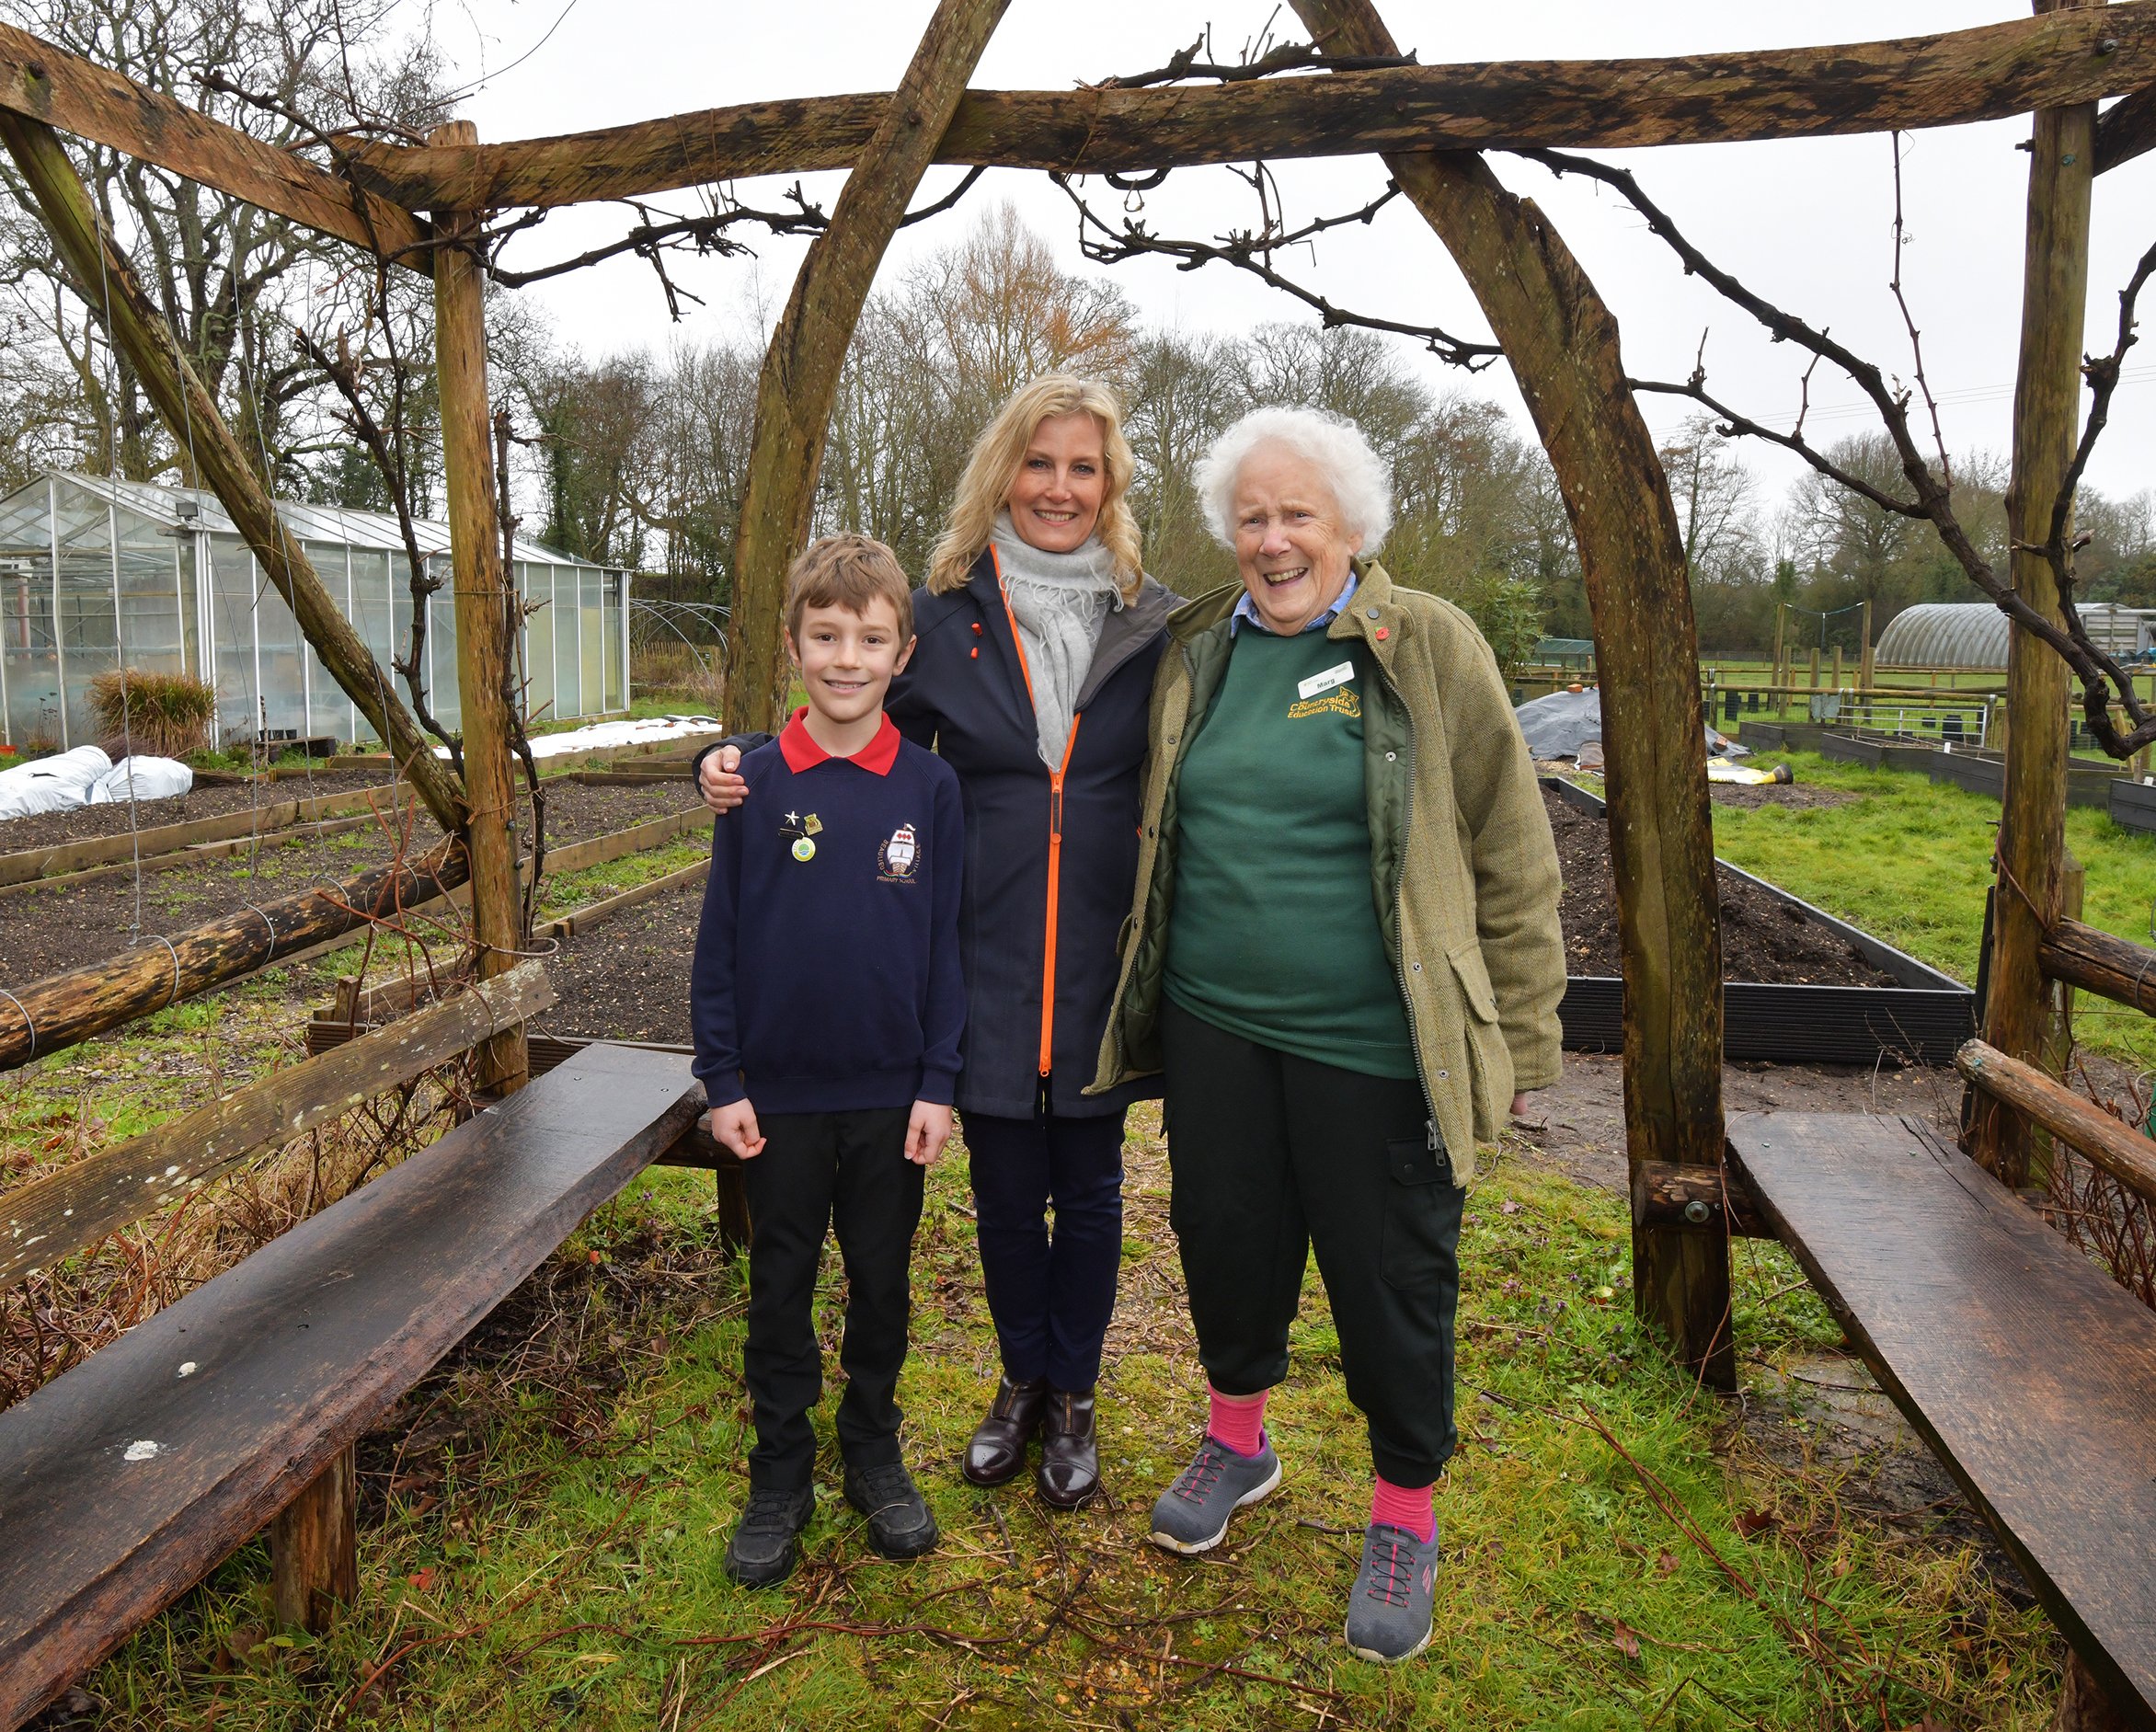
point(1973, 634)
point(97, 573)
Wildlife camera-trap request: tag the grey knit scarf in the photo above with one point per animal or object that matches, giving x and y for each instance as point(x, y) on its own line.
point(1058, 601)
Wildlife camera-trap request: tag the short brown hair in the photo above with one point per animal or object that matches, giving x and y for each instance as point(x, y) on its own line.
point(848, 571)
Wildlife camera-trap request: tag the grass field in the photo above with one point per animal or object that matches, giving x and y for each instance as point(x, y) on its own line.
point(1621, 1551)
point(1909, 861)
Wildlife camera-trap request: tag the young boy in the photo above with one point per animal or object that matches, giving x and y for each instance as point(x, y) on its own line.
point(828, 1005)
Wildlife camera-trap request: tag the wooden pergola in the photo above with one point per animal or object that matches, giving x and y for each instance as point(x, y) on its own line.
point(420, 208)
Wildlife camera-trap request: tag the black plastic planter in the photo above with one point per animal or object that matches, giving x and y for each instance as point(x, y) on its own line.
point(1921, 1020)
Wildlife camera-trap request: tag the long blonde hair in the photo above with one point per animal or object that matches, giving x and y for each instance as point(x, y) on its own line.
point(993, 465)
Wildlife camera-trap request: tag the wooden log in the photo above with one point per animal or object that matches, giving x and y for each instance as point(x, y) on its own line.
point(800, 376)
point(59, 1214)
point(315, 1547)
point(2112, 967)
point(2128, 130)
point(105, 280)
point(2108, 1142)
point(41, 82)
point(2018, 1008)
point(484, 631)
point(45, 1016)
point(1561, 342)
point(1942, 80)
point(25, 864)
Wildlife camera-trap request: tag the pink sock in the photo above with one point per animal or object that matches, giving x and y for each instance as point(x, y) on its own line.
point(1237, 1421)
point(1403, 1508)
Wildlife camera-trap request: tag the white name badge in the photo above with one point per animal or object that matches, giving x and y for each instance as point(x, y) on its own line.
point(1326, 681)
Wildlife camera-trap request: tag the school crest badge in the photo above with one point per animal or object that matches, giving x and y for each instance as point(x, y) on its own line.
point(898, 856)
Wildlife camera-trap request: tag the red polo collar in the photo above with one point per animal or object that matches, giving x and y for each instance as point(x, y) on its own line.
point(801, 752)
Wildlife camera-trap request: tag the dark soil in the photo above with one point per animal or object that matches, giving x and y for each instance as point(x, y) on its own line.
point(1762, 939)
point(48, 829)
point(627, 977)
point(1796, 795)
point(44, 932)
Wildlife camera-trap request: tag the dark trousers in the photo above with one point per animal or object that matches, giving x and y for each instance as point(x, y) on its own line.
point(1050, 1296)
point(819, 1171)
point(1271, 1155)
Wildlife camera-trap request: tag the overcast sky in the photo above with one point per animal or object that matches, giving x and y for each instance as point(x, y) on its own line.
point(1806, 223)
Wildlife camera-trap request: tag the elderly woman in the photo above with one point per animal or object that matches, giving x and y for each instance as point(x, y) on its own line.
point(1344, 955)
point(1037, 640)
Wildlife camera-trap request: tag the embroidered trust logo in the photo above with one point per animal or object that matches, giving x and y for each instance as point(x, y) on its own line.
point(1340, 701)
point(897, 856)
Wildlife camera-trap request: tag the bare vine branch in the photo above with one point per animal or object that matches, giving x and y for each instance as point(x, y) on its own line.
point(1253, 249)
point(2103, 683)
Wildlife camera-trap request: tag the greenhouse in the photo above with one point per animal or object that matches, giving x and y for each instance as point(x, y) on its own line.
point(97, 573)
point(1973, 634)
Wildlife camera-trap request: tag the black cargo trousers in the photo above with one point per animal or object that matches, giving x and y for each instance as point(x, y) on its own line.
point(1271, 1155)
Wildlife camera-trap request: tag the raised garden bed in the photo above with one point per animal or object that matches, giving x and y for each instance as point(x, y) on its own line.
point(1799, 985)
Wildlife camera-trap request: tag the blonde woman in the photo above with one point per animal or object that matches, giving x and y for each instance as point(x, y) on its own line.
point(1038, 637)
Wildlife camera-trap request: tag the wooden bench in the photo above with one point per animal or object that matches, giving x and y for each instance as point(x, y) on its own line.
point(2030, 1372)
point(126, 1480)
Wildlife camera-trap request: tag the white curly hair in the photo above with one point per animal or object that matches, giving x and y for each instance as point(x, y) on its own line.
point(1331, 442)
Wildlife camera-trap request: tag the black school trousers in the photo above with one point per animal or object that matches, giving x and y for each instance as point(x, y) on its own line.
point(820, 1172)
point(1272, 1156)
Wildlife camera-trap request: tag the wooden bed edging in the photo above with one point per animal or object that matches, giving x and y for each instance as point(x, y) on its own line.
point(26, 865)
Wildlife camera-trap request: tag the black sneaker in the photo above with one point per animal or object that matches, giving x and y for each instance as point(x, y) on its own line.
point(900, 1524)
point(764, 1547)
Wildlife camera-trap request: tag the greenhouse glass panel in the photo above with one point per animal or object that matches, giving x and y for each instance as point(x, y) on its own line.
point(330, 712)
point(568, 682)
point(593, 644)
point(156, 606)
point(88, 643)
point(442, 649)
point(613, 616)
point(370, 615)
point(534, 583)
point(29, 662)
point(284, 706)
point(232, 636)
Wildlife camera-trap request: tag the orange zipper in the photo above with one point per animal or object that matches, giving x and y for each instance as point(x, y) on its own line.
point(1055, 846)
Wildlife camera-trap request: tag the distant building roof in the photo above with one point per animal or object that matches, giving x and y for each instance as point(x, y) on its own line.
point(337, 523)
point(1973, 634)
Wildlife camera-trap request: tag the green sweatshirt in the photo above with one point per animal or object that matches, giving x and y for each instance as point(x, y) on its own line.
point(1274, 936)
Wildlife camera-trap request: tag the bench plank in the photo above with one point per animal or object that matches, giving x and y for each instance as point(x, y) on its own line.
point(2031, 1374)
point(126, 1480)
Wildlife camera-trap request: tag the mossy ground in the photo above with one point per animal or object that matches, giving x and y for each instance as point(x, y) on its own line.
point(546, 1517)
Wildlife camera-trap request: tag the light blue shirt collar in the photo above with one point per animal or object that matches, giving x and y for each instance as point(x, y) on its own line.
point(1247, 610)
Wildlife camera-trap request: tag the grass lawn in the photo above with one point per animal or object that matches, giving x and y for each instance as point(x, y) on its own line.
point(543, 1526)
point(1909, 861)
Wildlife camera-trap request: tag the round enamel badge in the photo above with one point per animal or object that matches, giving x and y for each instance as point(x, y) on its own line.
point(804, 849)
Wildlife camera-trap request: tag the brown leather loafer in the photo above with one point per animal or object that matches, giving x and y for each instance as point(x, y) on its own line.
point(997, 1449)
point(1070, 1462)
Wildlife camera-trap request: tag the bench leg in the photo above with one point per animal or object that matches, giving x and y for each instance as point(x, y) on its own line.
point(314, 1548)
point(2082, 1704)
point(733, 1203)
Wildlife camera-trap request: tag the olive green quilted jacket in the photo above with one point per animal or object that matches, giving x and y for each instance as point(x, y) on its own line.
point(1463, 870)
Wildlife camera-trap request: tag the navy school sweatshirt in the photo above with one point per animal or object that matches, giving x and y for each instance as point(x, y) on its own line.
point(826, 974)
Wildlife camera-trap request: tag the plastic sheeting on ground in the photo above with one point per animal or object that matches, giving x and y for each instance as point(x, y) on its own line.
point(58, 783)
point(142, 778)
point(1569, 725)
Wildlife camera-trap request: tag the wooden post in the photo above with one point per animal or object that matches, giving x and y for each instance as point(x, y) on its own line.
point(1814, 681)
point(800, 378)
point(1837, 686)
point(1781, 629)
point(1562, 343)
point(106, 281)
point(2047, 423)
point(1866, 666)
point(314, 1548)
point(483, 632)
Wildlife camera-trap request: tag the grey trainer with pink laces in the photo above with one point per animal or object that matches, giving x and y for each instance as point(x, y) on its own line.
point(1192, 1514)
point(1389, 1609)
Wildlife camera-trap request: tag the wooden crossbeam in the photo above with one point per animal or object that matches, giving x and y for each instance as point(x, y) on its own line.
point(1942, 80)
point(2109, 1142)
point(2127, 130)
point(41, 82)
